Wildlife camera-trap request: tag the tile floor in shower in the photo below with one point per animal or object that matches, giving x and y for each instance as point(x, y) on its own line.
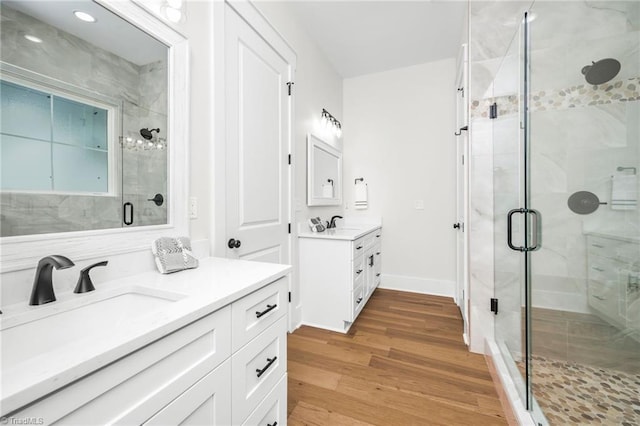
point(585, 371)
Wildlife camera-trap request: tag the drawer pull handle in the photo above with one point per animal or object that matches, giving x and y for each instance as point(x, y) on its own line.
point(378, 236)
point(359, 271)
point(597, 245)
point(378, 274)
point(599, 297)
point(269, 309)
point(377, 253)
point(597, 269)
point(359, 300)
point(358, 248)
point(274, 424)
point(266, 367)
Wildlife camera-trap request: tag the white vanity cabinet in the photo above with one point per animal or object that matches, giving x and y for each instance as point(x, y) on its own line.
point(202, 373)
point(613, 270)
point(339, 270)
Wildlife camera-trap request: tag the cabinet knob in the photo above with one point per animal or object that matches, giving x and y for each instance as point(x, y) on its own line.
point(456, 226)
point(233, 243)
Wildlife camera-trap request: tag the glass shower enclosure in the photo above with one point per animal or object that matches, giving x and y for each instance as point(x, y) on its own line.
point(566, 141)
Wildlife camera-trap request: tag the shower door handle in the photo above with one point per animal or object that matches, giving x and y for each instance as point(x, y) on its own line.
point(535, 229)
point(510, 229)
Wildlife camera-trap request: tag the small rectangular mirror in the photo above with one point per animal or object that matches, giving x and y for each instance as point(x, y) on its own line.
point(324, 173)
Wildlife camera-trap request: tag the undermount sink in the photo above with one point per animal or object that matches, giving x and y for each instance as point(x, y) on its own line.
point(46, 328)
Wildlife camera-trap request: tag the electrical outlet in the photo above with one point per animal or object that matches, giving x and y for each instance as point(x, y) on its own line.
point(418, 204)
point(193, 207)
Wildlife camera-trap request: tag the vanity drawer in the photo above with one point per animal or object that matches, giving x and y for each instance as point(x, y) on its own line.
point(613, 249)
point(358, 247)
point(604, 296)
point(257, 368)
point(273, 410)
point(357, 302)
point(377, 254)
point(359, 271)
point(207, 402)
point(136, 387)
point(252, 314)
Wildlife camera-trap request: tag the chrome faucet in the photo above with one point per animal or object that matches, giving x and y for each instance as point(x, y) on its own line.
point(42, 291)
point(332, 223)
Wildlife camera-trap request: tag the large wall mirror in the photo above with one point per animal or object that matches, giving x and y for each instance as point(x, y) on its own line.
point(93, 128)
point(324, 173)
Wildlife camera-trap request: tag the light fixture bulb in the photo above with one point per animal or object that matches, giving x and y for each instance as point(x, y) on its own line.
point(173, 15)
point(33, 38)
point(160, 146)
point(84, 16)
point(339, 132)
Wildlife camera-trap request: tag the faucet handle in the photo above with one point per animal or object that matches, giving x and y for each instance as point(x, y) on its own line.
point(85, 284)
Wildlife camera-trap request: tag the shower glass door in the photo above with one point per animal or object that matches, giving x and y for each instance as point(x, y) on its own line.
point(566, 219)
point(584, 126)
point(508, 177)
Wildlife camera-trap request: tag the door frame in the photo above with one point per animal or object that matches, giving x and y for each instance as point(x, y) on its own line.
point(462, 187)
point(217, 153)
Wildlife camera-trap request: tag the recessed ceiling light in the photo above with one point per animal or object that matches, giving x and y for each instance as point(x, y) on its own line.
point(33, 38)
point(84, 16)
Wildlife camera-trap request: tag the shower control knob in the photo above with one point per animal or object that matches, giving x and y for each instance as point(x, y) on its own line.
point(233, 243)
point(456, 226)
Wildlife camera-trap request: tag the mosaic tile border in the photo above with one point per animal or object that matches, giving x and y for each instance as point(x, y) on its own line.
point(572, 97)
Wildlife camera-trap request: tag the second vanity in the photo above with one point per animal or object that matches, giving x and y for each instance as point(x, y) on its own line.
point(339, 270)
point(201, 346)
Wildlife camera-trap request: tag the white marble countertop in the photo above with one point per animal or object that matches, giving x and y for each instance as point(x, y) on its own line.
point(214, 284)
point(631, 237)
point(348, 233)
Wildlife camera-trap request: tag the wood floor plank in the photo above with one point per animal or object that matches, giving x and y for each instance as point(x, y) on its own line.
point(403, 362)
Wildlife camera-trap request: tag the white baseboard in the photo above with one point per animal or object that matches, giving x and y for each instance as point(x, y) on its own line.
point(418, 285)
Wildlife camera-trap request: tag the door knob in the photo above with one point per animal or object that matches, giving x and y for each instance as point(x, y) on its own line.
point(456, 226)
point(233, 243)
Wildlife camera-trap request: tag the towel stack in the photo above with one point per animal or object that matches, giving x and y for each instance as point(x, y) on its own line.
point(361, 200)
point(624, 192)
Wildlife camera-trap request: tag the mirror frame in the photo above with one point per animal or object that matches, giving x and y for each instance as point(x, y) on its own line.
point(23, 252)
point(313, 142)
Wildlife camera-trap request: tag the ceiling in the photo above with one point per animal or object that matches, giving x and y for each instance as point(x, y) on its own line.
point(110, 32)
point(364, 37)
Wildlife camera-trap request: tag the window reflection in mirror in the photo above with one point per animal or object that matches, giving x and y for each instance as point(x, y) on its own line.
point(73, 105)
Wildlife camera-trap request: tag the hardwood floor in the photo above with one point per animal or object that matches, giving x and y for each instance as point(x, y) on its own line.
point(402, 363)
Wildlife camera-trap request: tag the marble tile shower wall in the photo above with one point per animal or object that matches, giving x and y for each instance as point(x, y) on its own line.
point(144, 101)
point(580, 134)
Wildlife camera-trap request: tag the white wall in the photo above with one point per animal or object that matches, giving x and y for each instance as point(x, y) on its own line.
point(398, 136)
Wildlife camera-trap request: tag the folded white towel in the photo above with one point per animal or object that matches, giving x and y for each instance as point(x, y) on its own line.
point(327, 190)
point(624, 192)
point(361, 200)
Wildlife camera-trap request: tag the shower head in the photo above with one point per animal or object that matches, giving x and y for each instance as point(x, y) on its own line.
point(602, 71)
point(148, 133)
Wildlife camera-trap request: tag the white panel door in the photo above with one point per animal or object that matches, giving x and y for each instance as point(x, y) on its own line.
point(257, 146)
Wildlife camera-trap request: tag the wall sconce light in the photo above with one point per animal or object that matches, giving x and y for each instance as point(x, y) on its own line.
point(332, 123)
point(172, 10)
